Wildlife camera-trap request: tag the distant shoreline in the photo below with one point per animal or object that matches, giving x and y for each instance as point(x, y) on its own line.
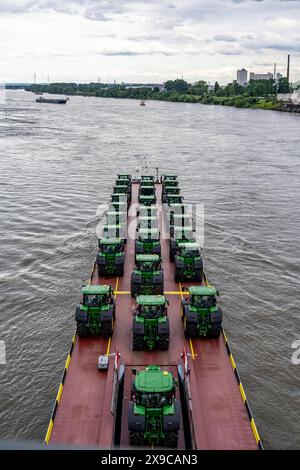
point(143, 93)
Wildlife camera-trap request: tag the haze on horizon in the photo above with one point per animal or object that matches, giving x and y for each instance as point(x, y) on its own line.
point(135, 41)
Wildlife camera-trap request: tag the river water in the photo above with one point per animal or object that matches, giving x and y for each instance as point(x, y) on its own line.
point(58, 163)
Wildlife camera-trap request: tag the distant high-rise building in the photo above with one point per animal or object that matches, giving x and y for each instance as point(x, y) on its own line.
point(242, 77)
point(261, 76)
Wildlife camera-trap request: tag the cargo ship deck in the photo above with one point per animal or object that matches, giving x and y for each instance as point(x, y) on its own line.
point(220, 413)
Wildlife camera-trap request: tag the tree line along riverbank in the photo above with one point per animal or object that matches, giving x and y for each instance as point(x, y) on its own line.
point(257, 94)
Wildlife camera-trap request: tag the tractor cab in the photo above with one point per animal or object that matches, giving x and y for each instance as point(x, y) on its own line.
point(189, 250)
point(121, 189)
point(147, 241)
point(145, 178)
point(147, 200)
point(124, 177)
point(151, 234)
point(146, 189)
point(96, 296)
point(151, 306)
point(148, 262)
point(111, 245)
point(174, 199)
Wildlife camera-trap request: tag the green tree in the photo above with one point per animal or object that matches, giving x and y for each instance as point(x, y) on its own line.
point(216, 87)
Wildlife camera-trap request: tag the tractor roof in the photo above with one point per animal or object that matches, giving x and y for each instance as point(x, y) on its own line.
point(177, 205)
point(113, 226)
point(180, 230)
point(169, 176)
point(124, 175)
point(95, 289)
point(147, 217)
point(147, 177)
point(153, 379)
point(110, 241)
point(118, 204)
point(202, 290)
point(181, 216)
point(147, 257)
point(116, 213)
point(153, 207)
point(151, 300)
point(189, 245)
point(148, 196)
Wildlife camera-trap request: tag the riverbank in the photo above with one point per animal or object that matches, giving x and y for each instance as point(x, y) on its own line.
point(143, 93)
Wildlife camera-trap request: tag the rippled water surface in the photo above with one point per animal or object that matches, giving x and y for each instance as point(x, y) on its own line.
point(58, 163)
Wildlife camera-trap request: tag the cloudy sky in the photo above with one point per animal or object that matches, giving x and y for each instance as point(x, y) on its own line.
point(150, 41)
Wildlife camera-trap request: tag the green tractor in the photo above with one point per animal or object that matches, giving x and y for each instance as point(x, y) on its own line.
point(120, 197)
point(111, 258)
point(147, 241)
point(150, 323)
point(147, 276)
point(147, 200)
point(97, 311)
point(123, 189)
point(153, 412)
point(146, 178)
point(180, 235)
point(167, 178)
point(188, 262)
point(147, 222)
point(200, 313)
point(146, 190)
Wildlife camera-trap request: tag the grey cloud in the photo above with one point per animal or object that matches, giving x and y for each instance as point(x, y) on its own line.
point(225, 38)
point(134, 53)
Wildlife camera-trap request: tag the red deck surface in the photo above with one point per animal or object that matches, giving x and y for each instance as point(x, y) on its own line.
point(219, 414)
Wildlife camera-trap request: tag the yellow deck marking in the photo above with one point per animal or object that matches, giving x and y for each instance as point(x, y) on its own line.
point(116, 288)
point(225, 337)
point(58, 396)
point(180, 287)
point(108, 346)
point(122, 292)
point(68, 362)
point(74, 338)
point(49, 431)
point(173, 292)
point(232, 361)
point(192, 349)
point(255, 432)
point(242, 391)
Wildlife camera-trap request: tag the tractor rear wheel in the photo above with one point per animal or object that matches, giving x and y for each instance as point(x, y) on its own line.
point(178, 275)
point(82, 330)
point(215, 331)
point(107, 329)
point(136, 438)
point(120, 270)
point(171, 439)
point(163, 342)
point(137, 343)
point(198, 275)
point(190, 330)
point(158, 289)
point(172, 254)
point(135, 289)
point(101, 271)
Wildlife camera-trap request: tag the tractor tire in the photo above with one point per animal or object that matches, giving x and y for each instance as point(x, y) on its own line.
point(138, 343)
point(171, 439)
point(135, 289)
point(172, 254)
point(163, 343)
point(198, 275)
point(101, 271)
point(82, 330)
point(119, 270)
point(178, 276)
point(158, 289)
point(215, 331)
point(107, 329)
point(190, 330)
point(136, 438)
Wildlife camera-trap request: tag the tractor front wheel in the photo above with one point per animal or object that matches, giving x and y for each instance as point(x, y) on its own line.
point(101, 271)
point(136, 438)
point(198, 275)
point(137, 343)
point(163, 342)
point(120, 270)
point(171, 439)
point(82, 330)
point(215, 331)
point(178, 275)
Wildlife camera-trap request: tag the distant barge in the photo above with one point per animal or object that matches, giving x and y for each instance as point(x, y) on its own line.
point(41, 99)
